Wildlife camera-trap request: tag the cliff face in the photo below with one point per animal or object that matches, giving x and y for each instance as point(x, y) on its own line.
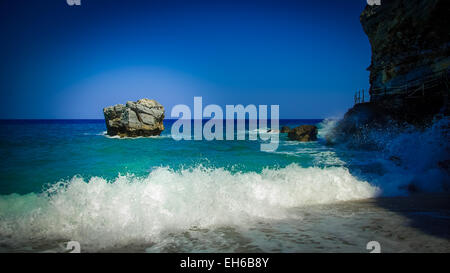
point(409, 70)
point(409, 38)
point(410, 42)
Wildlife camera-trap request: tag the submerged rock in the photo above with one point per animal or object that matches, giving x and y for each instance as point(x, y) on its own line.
point(303, 133)
point(142, 118)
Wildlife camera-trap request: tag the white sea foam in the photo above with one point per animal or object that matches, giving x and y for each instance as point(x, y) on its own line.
point(95, 134)
point(100, 213)
point(326, 126)
point(139, 137)
point(419, 154)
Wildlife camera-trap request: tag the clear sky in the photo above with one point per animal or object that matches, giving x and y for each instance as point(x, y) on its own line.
point(61, 61)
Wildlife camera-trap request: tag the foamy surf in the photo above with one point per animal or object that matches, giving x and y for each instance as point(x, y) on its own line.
point(101, 214)
point(139, 137)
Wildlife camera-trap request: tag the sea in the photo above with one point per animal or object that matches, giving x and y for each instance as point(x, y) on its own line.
point(66, 180)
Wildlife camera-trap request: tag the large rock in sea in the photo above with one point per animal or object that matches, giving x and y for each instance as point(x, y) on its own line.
point(142, 118)
point(285, 129)
point(303, 133)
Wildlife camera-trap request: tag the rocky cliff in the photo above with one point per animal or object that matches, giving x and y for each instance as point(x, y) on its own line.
point(409, 69)
point(410, 42)
point(142, 118)
point(409, 38)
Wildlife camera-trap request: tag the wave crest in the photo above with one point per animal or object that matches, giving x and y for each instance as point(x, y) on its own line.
point(100, 214)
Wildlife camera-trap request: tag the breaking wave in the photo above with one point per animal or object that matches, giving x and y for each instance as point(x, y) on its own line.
point(101, 214)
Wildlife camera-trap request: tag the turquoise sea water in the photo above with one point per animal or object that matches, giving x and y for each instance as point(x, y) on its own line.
point(35, 153)
point(66, 180)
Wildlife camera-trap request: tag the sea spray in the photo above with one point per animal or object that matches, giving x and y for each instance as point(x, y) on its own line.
point(410, 158)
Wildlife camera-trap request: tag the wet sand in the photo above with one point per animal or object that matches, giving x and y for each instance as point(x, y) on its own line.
point(417, 223)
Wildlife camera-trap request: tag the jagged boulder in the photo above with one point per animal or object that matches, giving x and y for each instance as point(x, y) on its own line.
point(285, 129)
point(303, 133)
point(141, 118)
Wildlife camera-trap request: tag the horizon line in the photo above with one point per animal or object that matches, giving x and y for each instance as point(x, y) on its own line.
point(36, 119)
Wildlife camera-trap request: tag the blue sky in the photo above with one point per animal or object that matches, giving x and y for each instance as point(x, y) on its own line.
point(61, 61)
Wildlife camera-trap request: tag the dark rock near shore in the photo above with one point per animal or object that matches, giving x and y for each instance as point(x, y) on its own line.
point(285, 129)
point(303, 133)
point(357, 121)
point(142, 118)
